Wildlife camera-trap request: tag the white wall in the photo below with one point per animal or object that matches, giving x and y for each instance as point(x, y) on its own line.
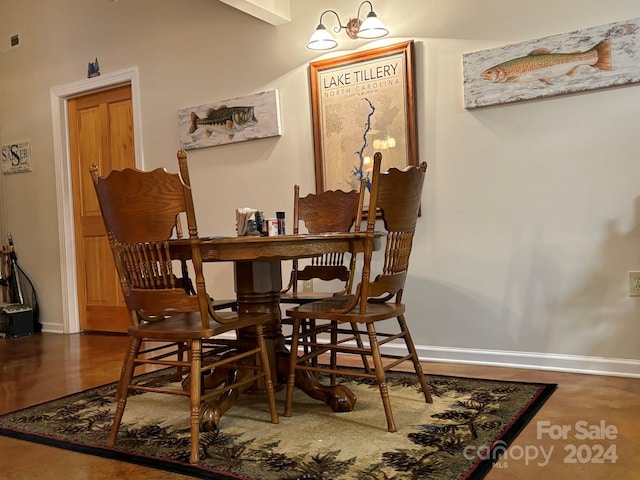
point(531, 212)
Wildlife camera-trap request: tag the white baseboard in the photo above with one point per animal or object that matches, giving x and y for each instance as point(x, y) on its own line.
point(619, 367)
point(52, 328)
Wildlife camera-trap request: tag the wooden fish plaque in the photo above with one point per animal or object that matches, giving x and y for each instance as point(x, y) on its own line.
point(589, 59)
point(230, 121)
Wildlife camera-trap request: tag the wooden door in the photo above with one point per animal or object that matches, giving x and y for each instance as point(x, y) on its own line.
point(100, 132)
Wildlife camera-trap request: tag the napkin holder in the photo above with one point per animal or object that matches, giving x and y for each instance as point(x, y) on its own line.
point(248, 222)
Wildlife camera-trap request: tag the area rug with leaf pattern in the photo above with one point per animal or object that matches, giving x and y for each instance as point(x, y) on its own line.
point(460, 435)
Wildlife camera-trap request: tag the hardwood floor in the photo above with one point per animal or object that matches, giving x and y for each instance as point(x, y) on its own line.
point(46, 366)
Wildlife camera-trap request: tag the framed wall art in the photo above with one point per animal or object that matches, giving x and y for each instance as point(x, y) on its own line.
point(579, 61)
point(230, 121)
point(363, 103)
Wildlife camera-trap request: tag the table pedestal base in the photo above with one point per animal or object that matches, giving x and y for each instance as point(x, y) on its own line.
point(258, 285)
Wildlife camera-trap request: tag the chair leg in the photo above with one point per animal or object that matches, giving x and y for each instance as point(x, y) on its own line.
point(414, 358)
point(123, 388)
point(380, 376)
point(179, 370)
point(119, 390)
point(356, 334)
point(266, 368)
point(293, 358)
point(333, 340)
point(194, 396)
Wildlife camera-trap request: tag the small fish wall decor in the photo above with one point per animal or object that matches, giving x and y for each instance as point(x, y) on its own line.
point(230, 121)
point(589, 59)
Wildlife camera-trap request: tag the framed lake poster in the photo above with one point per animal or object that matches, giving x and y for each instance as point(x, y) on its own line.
point(363, 103)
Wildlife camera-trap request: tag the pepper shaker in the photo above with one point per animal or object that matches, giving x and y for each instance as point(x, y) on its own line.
point(280, 217)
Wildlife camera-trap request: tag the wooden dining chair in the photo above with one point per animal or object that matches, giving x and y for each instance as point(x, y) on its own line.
point(181, 331)
point(377, 302)
point(327, 212)
point(331, 211)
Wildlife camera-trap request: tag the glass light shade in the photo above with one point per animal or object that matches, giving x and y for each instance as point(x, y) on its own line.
point(372, 27)
point(321, 39)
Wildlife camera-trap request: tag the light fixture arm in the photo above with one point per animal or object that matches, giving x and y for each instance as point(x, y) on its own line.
point(370, 7)
point(335, 29)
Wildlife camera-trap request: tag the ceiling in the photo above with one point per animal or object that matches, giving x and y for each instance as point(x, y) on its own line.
point(275, 12)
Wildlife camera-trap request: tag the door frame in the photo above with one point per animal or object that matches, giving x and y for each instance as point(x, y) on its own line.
point(64, 194)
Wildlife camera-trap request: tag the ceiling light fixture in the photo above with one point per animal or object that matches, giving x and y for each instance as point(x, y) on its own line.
point(371, 27)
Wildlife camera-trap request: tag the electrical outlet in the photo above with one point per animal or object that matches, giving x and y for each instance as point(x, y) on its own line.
point(634, 284)
point(307, 286)
point(9, 42)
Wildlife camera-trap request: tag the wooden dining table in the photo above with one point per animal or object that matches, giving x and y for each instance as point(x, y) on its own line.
point(258, 282)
